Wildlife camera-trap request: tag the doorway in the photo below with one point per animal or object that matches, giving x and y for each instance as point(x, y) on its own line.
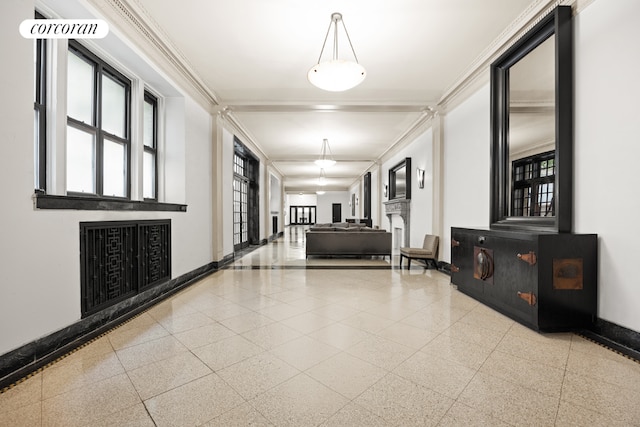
point(303, 215)
point(336, 212)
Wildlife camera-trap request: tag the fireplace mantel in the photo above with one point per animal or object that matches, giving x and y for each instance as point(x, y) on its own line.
point(401, 207)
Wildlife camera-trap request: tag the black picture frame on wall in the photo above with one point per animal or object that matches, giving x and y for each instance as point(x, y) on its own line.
point(400, 180)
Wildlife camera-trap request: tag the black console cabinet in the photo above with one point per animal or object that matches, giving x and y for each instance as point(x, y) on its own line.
point(546, 281)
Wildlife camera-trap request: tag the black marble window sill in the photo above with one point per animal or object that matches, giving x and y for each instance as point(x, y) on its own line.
point(47, 201)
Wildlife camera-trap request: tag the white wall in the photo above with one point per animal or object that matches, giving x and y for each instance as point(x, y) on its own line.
point(192, 235)
point(227, 191)
point(275, 202)
point(172, 178)
point(466, 167)
point(421, 152)
point(607, 149)
point(39, 249)
point(295, 199)
point(275, 196)
point(302, 199)
point(325, 203)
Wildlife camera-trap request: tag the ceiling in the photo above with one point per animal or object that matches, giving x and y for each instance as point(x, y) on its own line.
point(253, 57)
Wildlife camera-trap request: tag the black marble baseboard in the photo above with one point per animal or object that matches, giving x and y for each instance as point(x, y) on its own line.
point(27, 359)
point(444, 267)
point(228, 259)
point(313, 267)
point(616, 337)
point(275, 236)
point(247, 250)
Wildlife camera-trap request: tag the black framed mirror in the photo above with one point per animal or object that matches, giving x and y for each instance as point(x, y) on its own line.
point(532, 129)
point(400, 180)
point(366, 208)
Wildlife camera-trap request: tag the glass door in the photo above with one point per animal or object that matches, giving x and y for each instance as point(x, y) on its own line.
point(303, 215)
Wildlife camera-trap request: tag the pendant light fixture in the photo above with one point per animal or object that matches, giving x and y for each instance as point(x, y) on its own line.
point(336, 75)
point(322, 180)
point(325, 161)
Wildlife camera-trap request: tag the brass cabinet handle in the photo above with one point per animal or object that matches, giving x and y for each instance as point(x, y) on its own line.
point(529, 258)
point(483, 265)
point(454, 243)
point(454, 269)
point(529, 297)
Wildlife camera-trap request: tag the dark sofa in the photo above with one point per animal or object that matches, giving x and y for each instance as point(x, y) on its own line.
point(344, 239)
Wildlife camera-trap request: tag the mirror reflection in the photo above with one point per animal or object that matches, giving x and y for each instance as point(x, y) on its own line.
point(531, 132)
point(401, 182)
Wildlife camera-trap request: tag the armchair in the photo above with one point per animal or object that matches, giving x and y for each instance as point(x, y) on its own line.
point(428, 252)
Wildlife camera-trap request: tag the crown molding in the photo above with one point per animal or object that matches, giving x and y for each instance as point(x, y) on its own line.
point(477, 74)
point(421, 124)
point(133, 20)
point(242, 133)
point(135, 23)
point(275, 171)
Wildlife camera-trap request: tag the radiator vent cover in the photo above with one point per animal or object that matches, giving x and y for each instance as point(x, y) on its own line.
point(119, 259)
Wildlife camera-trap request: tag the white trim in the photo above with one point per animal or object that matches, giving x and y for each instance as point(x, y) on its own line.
point(134, 21)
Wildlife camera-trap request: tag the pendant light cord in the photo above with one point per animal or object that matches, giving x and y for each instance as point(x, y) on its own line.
point(334, 21)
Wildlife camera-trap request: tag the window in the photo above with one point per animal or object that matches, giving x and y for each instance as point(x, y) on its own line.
point(150, 155)
point(240, 202)
point(246, 216)
point(98, 126)
point(101, 140)
point(533, 185)
point(40, 109)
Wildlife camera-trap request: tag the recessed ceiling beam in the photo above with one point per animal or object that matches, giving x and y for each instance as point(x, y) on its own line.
point(310, 159)
point(301, 108)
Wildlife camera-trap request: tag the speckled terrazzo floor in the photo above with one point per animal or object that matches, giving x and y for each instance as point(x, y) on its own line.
point(269, 341)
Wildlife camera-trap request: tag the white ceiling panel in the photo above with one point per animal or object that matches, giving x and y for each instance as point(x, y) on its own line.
point(254, 56)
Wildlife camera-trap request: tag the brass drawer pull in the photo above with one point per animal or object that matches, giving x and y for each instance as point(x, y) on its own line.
point(529, 258)
point(454, 243)
point(529, 297)
point(454, 269)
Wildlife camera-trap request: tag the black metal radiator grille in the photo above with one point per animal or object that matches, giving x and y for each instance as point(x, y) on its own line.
point(154, 253)
point(121, 258)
